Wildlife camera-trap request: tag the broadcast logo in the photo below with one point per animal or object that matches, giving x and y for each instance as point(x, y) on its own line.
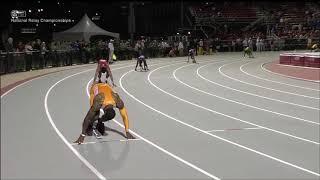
point(18, 14)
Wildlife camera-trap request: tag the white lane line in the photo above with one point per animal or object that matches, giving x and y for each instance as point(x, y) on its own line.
point(92, 168)
point(215, 136)
point(106, 141)
point(230, 100)
point(261, 66)
point(216, 112)
point(171, 154)
point(225, 75)
point(4, 94)
point(274, 81)
point(153, 144)
point(233, 129)
point(81, 158)
point(245, 92)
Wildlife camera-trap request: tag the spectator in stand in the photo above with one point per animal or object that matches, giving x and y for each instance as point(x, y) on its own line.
point(206, 46)
point(180, 48)
point(233, 46)
point(36, 55)
point(28, 50)
point(104, 51)
point(20, 47)
point(271, 43)
point(9, 62)
point(262, 44)
point(111, 50)
point(175, 44)
point(258, 44)
point(54, 49)
point(43, 58)
point(238, 44)
point(187, 44)
point(172, 52)
point(68, 49)
point(82, 52)
point(201, 47)
point(100, 48)
point(250, 43)
point(211, 45)
point(20, 58)
point(245, 43)
point(142, 42)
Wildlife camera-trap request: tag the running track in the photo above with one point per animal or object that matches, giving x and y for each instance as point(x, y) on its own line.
point(224, 118)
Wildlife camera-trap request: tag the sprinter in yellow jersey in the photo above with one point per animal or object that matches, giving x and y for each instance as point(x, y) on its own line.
point(103, 97)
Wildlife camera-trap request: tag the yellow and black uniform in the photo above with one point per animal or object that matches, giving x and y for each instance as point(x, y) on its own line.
point(110, 98)
point(102, 96)
point(315, 48)
point(247, 51)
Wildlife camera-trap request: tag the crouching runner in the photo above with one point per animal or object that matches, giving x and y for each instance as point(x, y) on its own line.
point(191, 55)
point(103, 97)
point(247, 51)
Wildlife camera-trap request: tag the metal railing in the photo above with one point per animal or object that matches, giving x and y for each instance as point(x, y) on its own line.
point(31, 60)
point(25, 61)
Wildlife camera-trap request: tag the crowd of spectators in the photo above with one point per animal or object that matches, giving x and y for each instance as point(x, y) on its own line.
point(38, 54)
point(299, 20)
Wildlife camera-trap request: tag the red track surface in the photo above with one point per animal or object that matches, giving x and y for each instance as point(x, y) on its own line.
point(294, 71)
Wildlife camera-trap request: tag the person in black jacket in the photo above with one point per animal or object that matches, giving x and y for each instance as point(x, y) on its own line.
point(9, 63)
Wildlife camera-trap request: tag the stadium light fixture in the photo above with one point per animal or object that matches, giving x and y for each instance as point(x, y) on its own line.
point(69, 11)
point(189, 32)
point(38, 10)
point(96, 14)
point(178, 33)
point(41, 9)
point(30, 11)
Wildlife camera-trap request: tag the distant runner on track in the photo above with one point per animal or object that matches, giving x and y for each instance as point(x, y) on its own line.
point(191, 55)
point(103, 67)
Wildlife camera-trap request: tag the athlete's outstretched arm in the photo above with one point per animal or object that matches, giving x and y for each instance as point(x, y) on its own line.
point(92, 115)
point(110, 74)
point(89, 119)
point(123, 113)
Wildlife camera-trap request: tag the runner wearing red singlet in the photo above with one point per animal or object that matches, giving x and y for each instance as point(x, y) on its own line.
point(103, 67)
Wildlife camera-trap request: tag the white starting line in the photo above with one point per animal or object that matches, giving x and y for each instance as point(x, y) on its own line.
point(106, 141)
point(234, 129)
